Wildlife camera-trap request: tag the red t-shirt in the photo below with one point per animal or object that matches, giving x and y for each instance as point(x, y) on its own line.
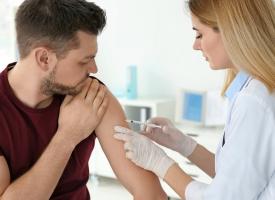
point(25, 133)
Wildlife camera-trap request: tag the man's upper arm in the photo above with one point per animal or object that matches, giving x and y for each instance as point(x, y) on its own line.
point(141, 183)
point(4, 175)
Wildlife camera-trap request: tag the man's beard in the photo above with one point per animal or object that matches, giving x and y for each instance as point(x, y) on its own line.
point(50, 87)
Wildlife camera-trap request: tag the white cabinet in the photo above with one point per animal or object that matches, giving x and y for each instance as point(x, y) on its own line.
point(141, 110)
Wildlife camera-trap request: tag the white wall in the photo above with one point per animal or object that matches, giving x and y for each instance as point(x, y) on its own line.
point(157, 36)
point(7, 35)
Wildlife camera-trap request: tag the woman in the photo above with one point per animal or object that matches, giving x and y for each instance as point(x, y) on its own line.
point(237, 35)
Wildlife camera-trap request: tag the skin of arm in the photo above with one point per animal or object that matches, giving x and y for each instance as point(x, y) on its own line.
point(142, 184)
point(204, 159)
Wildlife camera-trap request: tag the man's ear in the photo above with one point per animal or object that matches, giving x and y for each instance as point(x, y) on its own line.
point(45, 58)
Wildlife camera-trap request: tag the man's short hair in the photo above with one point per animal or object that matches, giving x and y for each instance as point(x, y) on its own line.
point(54, 24)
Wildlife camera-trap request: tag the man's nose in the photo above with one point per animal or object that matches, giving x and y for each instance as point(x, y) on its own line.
point(92, 68)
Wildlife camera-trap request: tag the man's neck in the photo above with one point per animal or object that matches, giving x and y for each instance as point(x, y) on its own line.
point(25, 80)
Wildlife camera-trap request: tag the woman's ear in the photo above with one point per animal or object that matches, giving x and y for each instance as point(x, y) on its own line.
point(45, 59)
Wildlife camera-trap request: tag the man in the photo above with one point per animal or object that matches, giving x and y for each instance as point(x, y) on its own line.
point(46, 138)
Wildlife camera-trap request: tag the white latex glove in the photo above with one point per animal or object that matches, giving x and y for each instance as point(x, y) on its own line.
point(143, 152)
point(170, 137)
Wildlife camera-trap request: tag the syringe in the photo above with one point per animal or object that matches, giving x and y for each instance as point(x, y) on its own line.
point(142, 123)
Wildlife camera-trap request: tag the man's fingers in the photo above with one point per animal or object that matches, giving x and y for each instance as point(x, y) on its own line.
point(67, 99)
point(93, 90)
point(84, 88)
point(99, 97)
point(103, 107)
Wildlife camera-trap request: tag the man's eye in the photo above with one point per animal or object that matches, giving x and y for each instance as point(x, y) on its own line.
point(84, 63)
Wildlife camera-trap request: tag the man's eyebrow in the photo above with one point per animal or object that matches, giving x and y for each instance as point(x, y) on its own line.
point(195, 29)
point(90, 56)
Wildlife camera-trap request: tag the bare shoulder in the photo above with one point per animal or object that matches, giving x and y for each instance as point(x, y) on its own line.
point(114, 115)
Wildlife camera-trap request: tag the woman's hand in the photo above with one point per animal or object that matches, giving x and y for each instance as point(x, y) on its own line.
point(169, 136)
point(143, 152)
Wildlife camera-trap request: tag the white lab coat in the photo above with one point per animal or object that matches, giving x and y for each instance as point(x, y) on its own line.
point(245, 164)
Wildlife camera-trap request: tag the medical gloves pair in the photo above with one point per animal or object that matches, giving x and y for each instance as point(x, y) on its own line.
point(141, 149)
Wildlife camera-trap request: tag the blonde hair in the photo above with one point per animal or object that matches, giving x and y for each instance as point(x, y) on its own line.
point(247, 28)
point(203, 9)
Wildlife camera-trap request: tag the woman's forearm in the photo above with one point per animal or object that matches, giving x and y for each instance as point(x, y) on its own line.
point(204, 159)
point(177, 179)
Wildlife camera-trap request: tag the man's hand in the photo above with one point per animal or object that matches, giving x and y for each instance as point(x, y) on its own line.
point(169, 136)
point(143, 152)
point(80, 115)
